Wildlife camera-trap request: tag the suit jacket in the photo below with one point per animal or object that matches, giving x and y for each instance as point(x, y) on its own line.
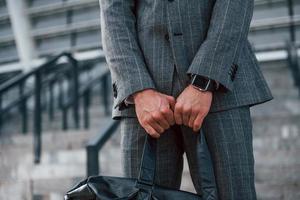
point(144, 41)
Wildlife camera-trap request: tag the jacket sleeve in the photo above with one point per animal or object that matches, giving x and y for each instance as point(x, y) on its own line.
point(121, 48)
point(228, 30)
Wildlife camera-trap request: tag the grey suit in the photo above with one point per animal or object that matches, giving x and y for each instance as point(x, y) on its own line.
point(146, 41)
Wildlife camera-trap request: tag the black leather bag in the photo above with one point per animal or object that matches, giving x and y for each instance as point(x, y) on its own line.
point(117, 188)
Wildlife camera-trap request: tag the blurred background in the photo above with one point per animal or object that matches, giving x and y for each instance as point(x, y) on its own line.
point(56, 99)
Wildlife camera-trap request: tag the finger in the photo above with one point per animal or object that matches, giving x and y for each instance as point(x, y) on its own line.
point(172, 102)
point(151, 131)
point(198, 122)
point(169, 116)
point(192, 118)
point(160, 119)
point(186, 114)
point(177, 113)
point(156, 126)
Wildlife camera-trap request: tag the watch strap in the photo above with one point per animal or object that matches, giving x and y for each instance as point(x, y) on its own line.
point(211, 85)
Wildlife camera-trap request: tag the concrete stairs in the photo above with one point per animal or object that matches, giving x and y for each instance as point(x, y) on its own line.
point(276, 137)
point(13, 122)
point(63, 163)
point(276, 126)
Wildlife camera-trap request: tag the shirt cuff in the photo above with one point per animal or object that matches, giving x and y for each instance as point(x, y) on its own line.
point(129, 100)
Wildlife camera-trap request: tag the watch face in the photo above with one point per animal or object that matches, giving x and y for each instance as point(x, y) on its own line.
point(201, 82)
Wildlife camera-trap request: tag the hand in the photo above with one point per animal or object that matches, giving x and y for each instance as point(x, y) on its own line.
point(154, 111)
point(192, 106)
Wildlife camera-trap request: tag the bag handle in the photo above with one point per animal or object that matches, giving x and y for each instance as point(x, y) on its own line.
point(148, 162)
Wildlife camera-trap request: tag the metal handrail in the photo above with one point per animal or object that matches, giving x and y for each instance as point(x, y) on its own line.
point(96, 144)
point(19, 81)
point(15, 81)
point(71, 71)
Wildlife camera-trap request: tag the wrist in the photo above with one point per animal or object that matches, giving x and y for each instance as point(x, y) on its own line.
point(200, 90)
point(141, 92)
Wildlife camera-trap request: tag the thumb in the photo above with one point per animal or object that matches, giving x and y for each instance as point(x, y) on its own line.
point(172, 101)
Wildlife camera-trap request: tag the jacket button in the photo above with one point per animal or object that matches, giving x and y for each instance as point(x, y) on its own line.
point(167, 37)
point(115, 93)
point(170, 0)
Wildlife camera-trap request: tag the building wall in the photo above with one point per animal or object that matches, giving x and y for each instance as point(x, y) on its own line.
point(59, 25)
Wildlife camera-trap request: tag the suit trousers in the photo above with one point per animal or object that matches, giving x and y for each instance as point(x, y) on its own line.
point(220, 155)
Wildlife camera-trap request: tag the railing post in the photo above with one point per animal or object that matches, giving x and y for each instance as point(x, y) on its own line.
point(43, 100)
point(292, 24)
point(65, 118)
point(93, 167)
point(37, 126)
point(75, 89)
point(51, 102)
point(60, 94)
point(95, 145)
point(105, 93)
point(293, 63)
point(23, 109)
point(86, 103)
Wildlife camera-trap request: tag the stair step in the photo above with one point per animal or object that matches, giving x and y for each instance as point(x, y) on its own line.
point(12, 124)
point(276, 108)
point(279, 191)
point(278, 174)
point(66, 139)
point(15, 189)
point(284, 161)
point(275, 144)
point(54, 187)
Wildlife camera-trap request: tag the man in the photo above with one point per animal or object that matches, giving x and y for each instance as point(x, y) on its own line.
point(185, 65)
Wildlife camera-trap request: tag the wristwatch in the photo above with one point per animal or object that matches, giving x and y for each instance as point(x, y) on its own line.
point(202, 83)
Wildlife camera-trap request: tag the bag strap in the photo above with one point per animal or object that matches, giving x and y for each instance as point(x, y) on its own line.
point(148, 162)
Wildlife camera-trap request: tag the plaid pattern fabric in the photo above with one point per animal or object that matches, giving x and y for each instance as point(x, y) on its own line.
point(229, 141)
point(144, 40)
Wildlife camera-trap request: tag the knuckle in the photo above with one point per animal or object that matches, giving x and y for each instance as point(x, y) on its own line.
point(172, 99)
point(186, 109)
point(150, 118)
point(203, 110)
point(165, 110)
point(195, 111)
point(178, 106)
point(146, 120)
point(199, 110)
point(156, 115)
point(143, 122)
